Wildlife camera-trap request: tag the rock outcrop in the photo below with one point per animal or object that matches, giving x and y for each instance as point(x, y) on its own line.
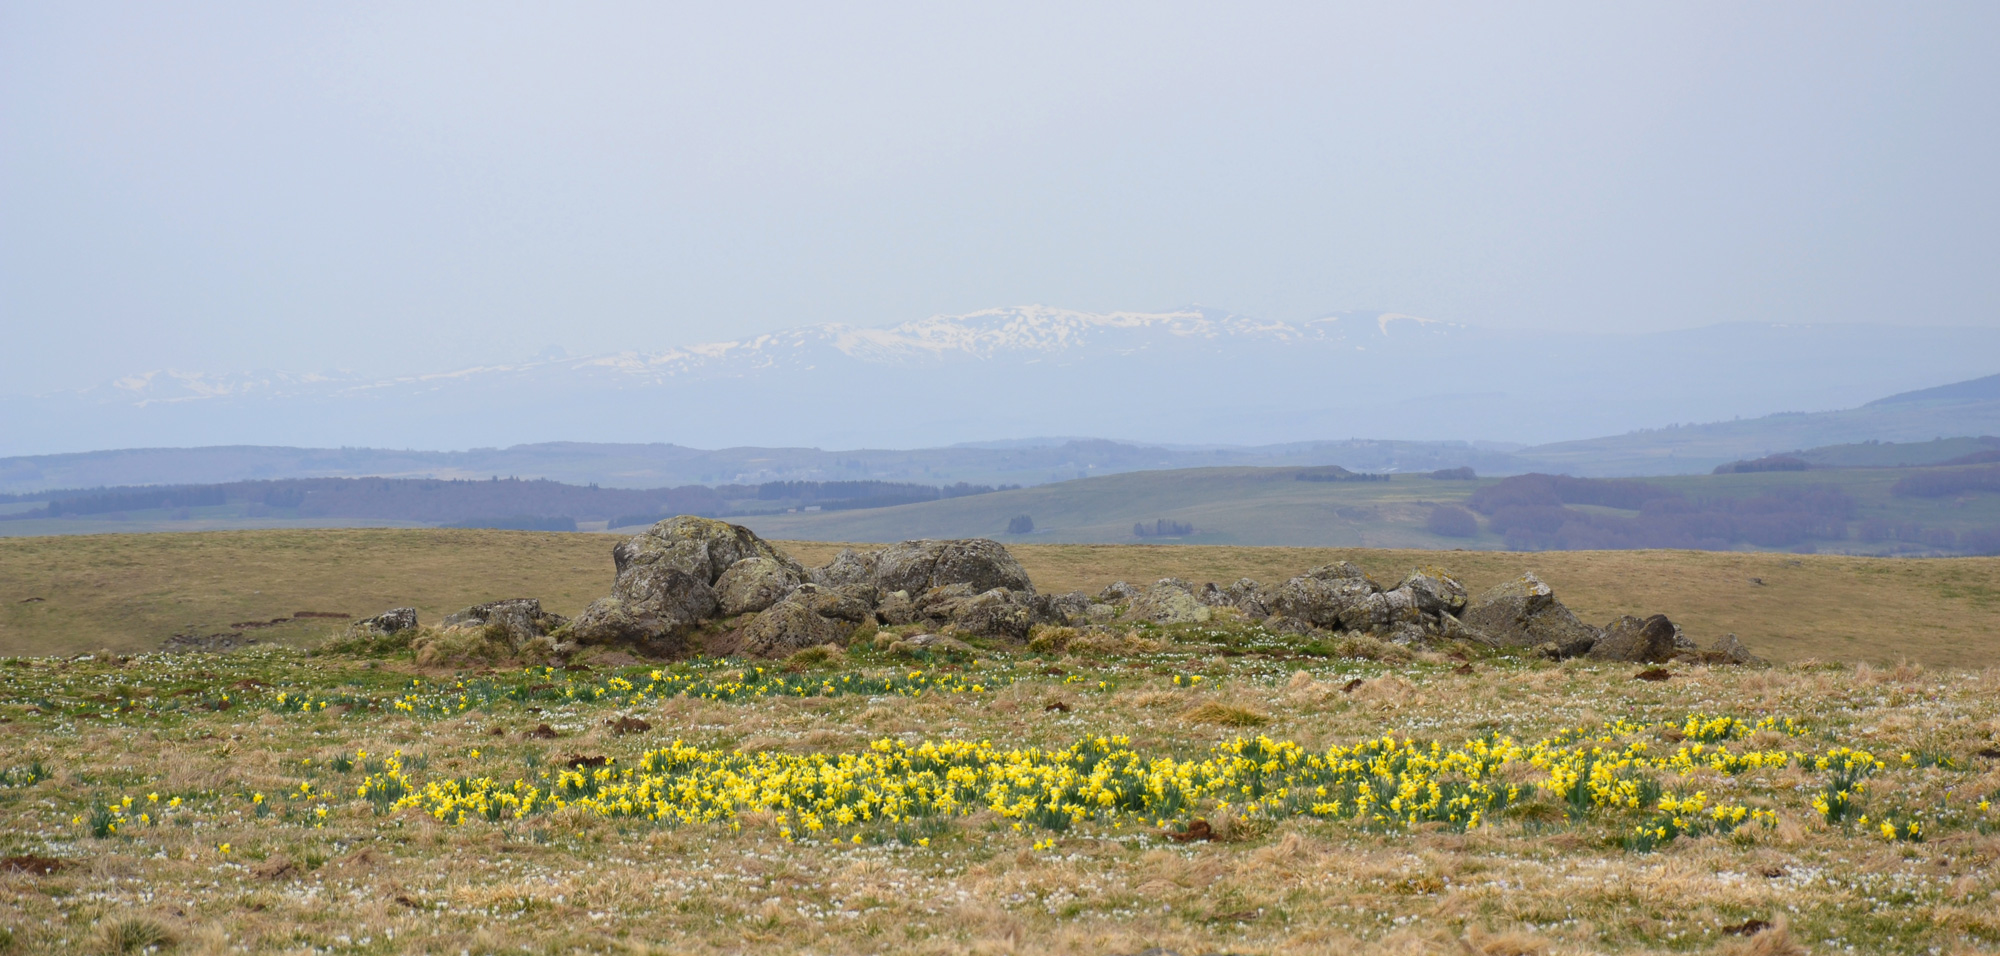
point(1524, 612)
point(848, 567)
point(792, 624)
point(519, 620)
point(666, 583)
point(1170, 601)
point(686, 572)
point(918, 566)
point(392, 621)
point(653, 609)
point(702, 547)
point(754, 584)
point(1654, 640)
point(1329, 597)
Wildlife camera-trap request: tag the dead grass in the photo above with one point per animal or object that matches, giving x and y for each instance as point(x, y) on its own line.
point(1534, 882)
point(129, 592)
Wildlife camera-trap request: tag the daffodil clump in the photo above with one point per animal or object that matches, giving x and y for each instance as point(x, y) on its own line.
point(1381, 783)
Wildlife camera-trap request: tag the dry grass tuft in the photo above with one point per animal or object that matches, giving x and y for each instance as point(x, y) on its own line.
point(132, 934)
point(1477, 942)
point(1223, 715)
point(1775, 941)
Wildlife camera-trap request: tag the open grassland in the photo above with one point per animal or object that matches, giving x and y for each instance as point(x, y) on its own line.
point(129, 592)
point(1190, 793)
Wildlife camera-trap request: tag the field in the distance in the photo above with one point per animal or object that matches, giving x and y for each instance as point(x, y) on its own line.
point(129, 592)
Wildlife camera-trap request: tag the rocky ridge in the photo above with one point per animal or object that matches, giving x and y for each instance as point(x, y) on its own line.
point(691, 584)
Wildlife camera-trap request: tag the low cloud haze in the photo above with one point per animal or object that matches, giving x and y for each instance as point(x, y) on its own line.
point(403, 188)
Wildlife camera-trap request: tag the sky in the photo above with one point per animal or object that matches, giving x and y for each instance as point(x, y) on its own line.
point(408, 187)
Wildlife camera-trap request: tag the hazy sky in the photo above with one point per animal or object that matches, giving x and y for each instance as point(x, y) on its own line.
point(412, 186)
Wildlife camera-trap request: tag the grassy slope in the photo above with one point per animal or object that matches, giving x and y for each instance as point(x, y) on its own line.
point(129, 592)
point(1266, 506)
point(1701, 447)
point(1263, 506)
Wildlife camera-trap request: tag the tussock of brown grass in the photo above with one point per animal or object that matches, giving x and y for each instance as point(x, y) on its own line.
point(1478, 942)
point(1388, 692)
point(1775, 941)
point(1223, 715)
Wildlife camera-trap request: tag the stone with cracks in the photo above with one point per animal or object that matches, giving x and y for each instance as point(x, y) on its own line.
point(1434, 591)
point(1326, 596)
point(1524, 612)
point(702, 547)
point(392, 621)
point(979, 563)
point(787, 626)
point(854, 604)
point(1248, 596)
point(1170, 601)
point(520, 619)
point(1630, 639)
point(754, 584)
point(999, 612)
point(847, 568)
point(1392, 614)
point(1072, 608)
point(652, 607)
point(896, 608)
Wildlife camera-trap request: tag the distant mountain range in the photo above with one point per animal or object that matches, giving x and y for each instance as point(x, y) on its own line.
point(1194, 377)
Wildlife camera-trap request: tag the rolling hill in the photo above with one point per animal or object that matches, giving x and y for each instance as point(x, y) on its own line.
point(1271, 507)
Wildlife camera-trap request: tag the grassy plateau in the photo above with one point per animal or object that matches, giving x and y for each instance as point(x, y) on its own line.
point(128, 593)
point(1204, 788)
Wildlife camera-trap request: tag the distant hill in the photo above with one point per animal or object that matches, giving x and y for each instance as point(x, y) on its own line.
point(654, 466)
point(1692, 449)
point(1855, 510)
point(1977, 390)
point(1899, 430)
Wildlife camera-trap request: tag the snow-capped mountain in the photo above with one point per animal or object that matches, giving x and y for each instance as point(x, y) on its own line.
point(1190, 376)
point(1028, 334)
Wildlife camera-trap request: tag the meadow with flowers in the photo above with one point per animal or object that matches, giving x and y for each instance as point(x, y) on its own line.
point(1189, 793)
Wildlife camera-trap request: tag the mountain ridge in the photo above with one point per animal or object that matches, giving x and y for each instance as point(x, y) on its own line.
point(1186, 378)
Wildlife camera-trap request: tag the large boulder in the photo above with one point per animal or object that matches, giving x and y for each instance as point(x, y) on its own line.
point(1524, 612)
point(918, 566)
point(854, 603)
point(896, 608)
point(666, 583)
point(1649, 641)
point(1248, 596)
point(754, 584)
point(702, 547)
point(1330, 597)
point(519, 620)
point(1170, 601)
point(1069, 609)
point(1392, 614)
point(999, 612)
point(849, 567)
point(1434, 591)
point(787, 626)
point(652, 606)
